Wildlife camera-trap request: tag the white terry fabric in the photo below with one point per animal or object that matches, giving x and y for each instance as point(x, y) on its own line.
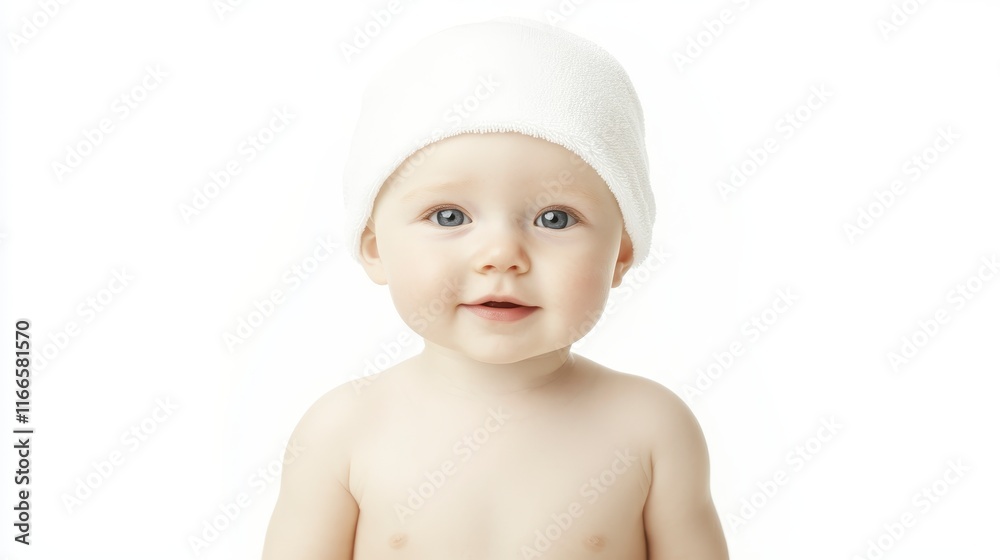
point(506, 75)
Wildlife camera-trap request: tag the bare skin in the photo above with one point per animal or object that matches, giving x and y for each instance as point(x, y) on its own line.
point(566, 475)
point(496, 441)
point(517, 460)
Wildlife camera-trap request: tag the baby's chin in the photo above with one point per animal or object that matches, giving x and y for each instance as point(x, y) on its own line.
point(484, 354)
point(502, 354)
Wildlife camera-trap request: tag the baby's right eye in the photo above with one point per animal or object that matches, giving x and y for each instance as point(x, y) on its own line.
point(449, 216)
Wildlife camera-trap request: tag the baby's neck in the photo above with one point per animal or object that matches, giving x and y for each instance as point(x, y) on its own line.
point(461, 374)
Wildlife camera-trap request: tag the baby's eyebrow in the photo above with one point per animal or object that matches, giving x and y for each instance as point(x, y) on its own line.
point(434, 189)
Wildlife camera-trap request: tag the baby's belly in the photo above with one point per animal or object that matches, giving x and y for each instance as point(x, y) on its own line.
point(514, 496)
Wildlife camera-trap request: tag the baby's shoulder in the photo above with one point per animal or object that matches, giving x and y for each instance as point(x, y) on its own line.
point(342, 405)
point(651, 405)
point(328, 418)
point(635, 389)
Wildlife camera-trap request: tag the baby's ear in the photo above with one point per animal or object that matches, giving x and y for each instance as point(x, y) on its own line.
point(625, 259)
point(370, 259)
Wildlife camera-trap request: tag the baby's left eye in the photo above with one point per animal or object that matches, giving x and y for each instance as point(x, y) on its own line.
point(557, 218)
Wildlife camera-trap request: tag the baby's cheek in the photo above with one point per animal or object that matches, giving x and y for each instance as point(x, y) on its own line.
point(403, 265)
point(592, 284)
point(420, 286)
point(583, 299)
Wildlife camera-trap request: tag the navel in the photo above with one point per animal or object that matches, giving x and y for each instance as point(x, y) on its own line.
point(397, 540)
point(594, 543)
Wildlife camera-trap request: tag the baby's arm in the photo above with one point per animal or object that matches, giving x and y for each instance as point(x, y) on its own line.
point(680, 517)
point(316, 516)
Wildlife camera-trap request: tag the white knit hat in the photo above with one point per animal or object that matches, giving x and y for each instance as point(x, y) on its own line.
point(503, 75)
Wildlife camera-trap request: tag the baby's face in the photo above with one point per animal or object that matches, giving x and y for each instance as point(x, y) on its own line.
point(504, 213)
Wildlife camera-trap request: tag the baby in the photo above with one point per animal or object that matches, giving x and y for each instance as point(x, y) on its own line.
point(498, 185)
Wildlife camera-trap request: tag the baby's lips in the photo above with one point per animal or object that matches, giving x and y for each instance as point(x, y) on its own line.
point(500, 299)
point(501, 304)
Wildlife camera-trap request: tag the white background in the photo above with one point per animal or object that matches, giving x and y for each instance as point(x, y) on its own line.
point(63, 236)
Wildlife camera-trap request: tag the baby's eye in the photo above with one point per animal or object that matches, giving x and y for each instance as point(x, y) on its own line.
point(450, 217)
point(558, 219)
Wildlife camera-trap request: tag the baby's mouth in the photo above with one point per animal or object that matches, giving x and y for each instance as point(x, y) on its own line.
point(500, 304)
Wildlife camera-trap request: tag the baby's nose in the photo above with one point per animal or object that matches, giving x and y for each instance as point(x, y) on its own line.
point(502, 247)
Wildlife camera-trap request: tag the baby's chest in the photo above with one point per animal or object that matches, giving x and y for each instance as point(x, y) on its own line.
point(503, 485)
